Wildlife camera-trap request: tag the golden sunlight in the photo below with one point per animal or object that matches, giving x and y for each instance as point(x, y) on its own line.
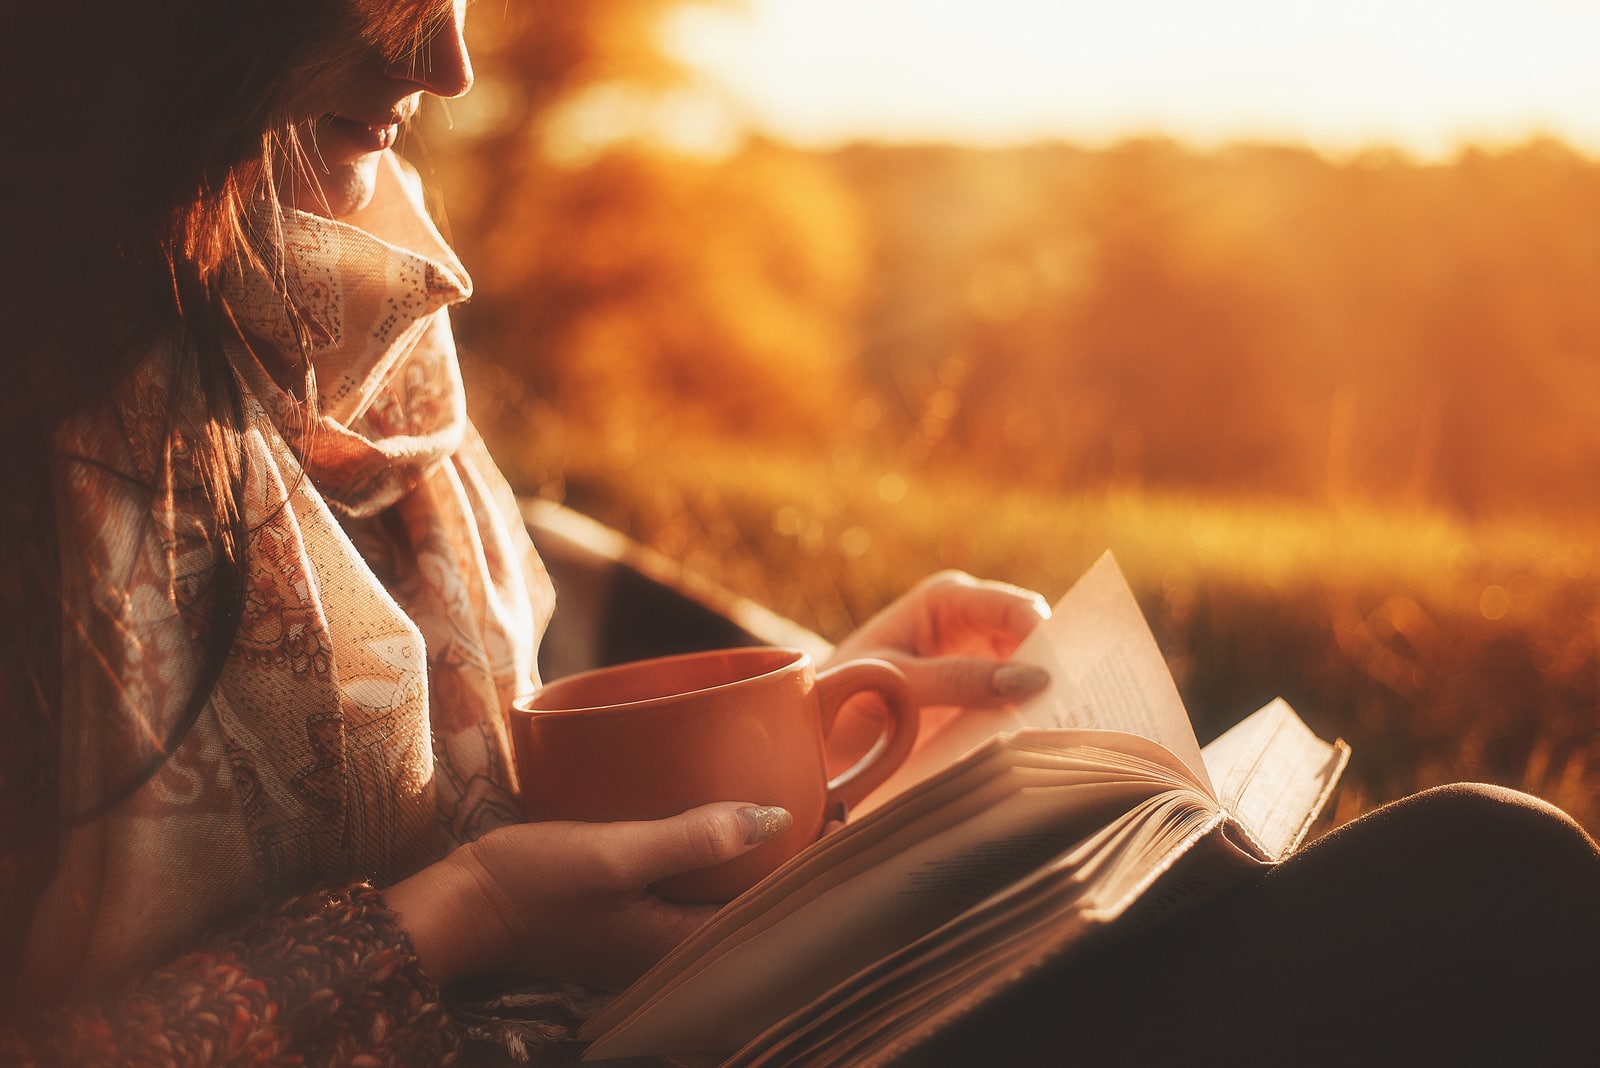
point(1418, 74)
point(998, 287)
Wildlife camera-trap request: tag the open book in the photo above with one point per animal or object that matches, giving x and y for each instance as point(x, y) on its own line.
point(1008, 838)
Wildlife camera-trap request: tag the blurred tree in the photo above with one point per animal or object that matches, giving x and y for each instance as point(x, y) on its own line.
point(642, 286)
point(1252, 320)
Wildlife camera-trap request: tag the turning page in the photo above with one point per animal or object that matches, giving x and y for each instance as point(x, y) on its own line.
point(1106, 673)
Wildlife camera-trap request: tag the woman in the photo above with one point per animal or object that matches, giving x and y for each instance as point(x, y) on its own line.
point(258, 798)
point(268, 597)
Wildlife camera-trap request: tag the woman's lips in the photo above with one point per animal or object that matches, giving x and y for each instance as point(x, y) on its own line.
point(360, 135)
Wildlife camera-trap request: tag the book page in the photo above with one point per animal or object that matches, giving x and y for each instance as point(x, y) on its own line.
point(874, 886)
point(1274, 775)
point(1106, 673)
point(914, 991)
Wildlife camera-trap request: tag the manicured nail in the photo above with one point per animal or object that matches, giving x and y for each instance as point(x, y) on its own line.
point(763, 822)
point(1018, 680)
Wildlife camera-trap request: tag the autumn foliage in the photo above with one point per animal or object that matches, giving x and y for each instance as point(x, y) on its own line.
point(1258, 319)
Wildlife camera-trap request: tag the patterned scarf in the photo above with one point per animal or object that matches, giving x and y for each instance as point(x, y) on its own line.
point(393, 607)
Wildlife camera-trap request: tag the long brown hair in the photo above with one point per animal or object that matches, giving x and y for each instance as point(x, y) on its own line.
point(144, 164)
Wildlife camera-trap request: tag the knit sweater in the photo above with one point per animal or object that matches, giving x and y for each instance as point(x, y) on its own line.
point(326, 978)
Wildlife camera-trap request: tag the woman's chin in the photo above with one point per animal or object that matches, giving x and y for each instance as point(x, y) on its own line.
point(341, 189)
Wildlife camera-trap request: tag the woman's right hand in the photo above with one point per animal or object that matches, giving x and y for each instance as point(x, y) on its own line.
point(564, 900)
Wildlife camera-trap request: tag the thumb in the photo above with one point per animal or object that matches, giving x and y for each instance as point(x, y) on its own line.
point(970, 681)
point(700, 837)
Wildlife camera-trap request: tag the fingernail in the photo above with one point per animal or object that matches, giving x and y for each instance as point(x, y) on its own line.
point(1018, 680)
point(764, 821)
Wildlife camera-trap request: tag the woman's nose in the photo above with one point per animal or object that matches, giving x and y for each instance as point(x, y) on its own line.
point(441, 65)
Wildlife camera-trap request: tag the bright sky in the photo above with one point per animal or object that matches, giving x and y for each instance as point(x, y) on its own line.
point(1340, 74)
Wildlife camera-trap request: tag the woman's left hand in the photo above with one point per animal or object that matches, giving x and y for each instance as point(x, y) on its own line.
point(952, 634)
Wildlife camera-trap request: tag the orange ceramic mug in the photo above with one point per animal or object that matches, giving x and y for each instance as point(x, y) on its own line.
point(650, 739)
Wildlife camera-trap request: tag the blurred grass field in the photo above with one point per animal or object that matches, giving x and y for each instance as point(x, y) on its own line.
point(1440, 650)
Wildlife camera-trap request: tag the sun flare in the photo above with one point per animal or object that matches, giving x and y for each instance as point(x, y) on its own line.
point(1414, 73)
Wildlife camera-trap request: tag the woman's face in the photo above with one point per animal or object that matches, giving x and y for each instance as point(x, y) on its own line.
point(350, 124)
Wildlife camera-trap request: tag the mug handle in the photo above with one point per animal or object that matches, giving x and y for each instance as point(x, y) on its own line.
point(837, 685)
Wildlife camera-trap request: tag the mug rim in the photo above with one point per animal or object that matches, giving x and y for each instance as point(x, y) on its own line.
point(793, 657)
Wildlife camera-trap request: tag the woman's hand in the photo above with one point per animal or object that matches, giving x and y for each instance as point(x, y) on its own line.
point(947, 635)
point(951, 635)
point(565, 900)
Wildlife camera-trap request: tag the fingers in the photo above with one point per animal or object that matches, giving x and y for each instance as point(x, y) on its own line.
point(669, 925)
point(968, 612)
point(951, 635)
point(950, 614)
point(970, 682)
point(571, 900)
point(698, 838)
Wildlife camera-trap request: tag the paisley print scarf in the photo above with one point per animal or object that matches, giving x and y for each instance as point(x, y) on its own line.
point(393, 607)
